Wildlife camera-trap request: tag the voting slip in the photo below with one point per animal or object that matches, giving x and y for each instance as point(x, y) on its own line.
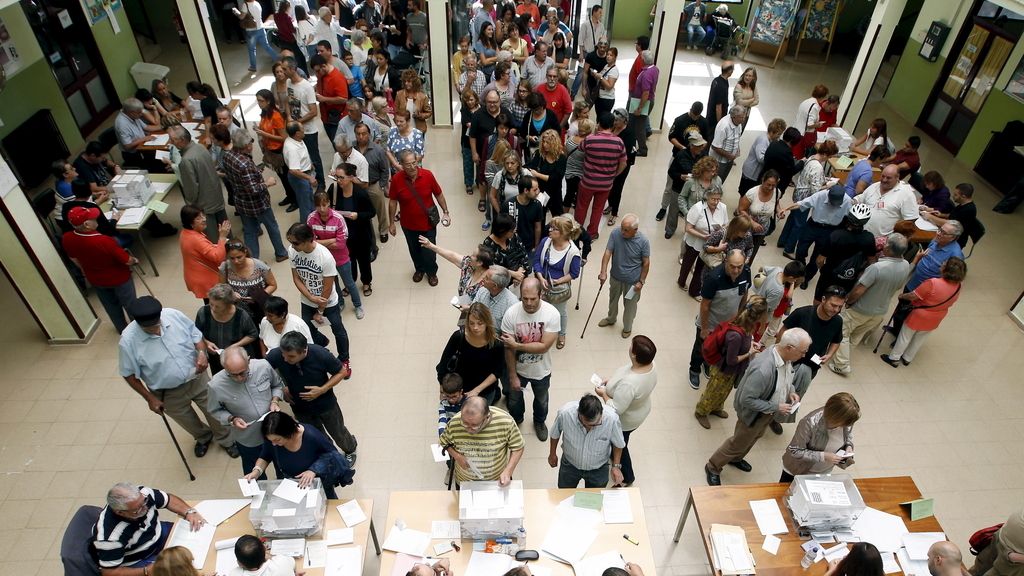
point(568, 542)
point(407, 541)
point(132, 216)
point(595, 565)
point(352, 513)
point(439, 456)
point(346, 561)
point(920, 508)
point(589, 500)
point(159, 140)
point(217, 511)
point(485, 564)
point(340, 536)
point(293, 547)
point(769, 517)
point(771, 544)
point(917, 543)
point(198, 542)
point(911, 567)
point(290, 491)
point(729, 550)
point(617, 507)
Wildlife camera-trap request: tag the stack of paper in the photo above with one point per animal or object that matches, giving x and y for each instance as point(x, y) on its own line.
point(729, 550)
point(769, 517)
point(883, 530)
point(340, 536)
point(352, 513)
point(198, 542)
point(131, 216)
point(568, 541)
point(407, 540)
point(293, 547)
point(617, 507)
point(226, 559)
point(595, 565)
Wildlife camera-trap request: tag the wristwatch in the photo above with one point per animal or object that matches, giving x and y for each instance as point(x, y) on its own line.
point(617, 466)
point(187, 512)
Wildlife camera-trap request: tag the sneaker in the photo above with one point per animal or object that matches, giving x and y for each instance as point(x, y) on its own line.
point(660, 215)
point(694, 380)
point(605, 322)
point(347, 367)
point(485, 226)
point(359, 313)
point(351, 457)
point(542, 431)
point(232, 451)
point(842, 373)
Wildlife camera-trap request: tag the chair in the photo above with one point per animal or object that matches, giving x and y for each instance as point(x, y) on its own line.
point(76, 546)
point(975, 236)
point(43, 205)
point(108, 138)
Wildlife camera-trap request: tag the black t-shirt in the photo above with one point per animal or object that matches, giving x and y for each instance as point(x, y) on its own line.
point(91, 173)
point(314, 370)
point(474, 365)
point(526, 219)
point(483, 125)
point(967, 216)
point(823, 333)
point(596, 63)
point(779, 157)
point(682, 163)
point(684, 121)
point(842, 244)
point(209, 108)
point(719, 94)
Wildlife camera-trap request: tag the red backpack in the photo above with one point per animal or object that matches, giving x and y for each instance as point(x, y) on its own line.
point(982, 538)
point(713, 348)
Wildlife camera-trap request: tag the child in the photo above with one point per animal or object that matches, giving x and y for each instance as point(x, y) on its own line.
point(355, 87)
point(331, 231)
point(451, 400)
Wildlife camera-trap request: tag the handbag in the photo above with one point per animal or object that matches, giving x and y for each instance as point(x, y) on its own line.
point(452, 365)
point(557, 293)
point(248, 21)
point(710, 259)
point(433, 214)
point(772, 222)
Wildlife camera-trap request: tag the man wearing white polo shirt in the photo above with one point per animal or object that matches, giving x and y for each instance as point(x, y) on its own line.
point(890, 201)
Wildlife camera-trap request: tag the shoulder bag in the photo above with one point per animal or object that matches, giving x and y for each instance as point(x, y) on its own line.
point(433, 214)
point(248, 21)
point(452, 364)
point(905, 307)
point(558, 293)
point(710, 259)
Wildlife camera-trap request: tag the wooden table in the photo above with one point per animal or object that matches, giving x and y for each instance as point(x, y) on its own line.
point(844, 173)
point(418, 509)
point(233, 105)
point(135, 229)
point(914, 234)
point(730, 505)
point(239, 525)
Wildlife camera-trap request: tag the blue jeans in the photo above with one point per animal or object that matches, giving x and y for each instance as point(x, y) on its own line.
point(578, 81)
point(695, 35)
point(333, 314)
point(303, 195)
point(115, 300)
point(423, 260)
point(569, 476)
point(249, 455)
point(795, 222)
point(468, 168)
point(254, 37)
point(345, 271)
point(251, 233)
point(517, 404)
point(563, 313)
point(312, 142)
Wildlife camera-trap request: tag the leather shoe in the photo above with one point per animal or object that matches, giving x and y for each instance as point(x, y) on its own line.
point(292, 208)
point(713, 479)
point(742, 464)
point(432, 280)
point(660, 215)
point(720, 413)
point(201, 449)
point(541, 429)
point(232, 451)
point(776, 427)
point(417, 277)
point(383, 238)
point(703, 421)
point(885, 358)
point(284, 202)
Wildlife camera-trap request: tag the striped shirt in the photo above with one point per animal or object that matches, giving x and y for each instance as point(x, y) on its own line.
point(602, 153)
point(587, 450)
point(119, 540)
point(445, 412)
point(488, 449)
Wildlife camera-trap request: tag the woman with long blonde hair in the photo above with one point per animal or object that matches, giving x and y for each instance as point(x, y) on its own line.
point(556, 263)
point(548, 167)
point(174, 561)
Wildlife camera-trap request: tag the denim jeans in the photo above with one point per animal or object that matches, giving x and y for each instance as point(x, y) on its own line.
point(303, 195)
point(254, 37)
point(423, 260)
point(345, 271)
point(333, 314)
point(563, 313)
point(695, 34)
point(517, 403)
point(312, 142)
point(792, 230)
point(468, 168)
point(569, 476)
point(251, 233)
point(115, 300)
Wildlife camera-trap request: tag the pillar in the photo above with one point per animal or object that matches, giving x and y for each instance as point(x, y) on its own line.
point(35, 269)
point(884, 20)
point(195, 18)
point(664, 37)
point(440, 61)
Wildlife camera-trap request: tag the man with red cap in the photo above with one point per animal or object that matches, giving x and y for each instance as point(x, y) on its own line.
point(105, 264)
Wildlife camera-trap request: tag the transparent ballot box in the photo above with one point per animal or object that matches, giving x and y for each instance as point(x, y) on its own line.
point(276, 517)
point(488, 511)
point(824, 502)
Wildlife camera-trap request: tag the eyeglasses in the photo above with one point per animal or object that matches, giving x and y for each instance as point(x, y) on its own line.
point(242, 374)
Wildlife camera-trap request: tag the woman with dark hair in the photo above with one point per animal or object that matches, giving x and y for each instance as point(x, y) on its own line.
point(934, 193)
point(758, 204)
point(168, 100)
point(561, 54)
point(200, 257)
point(629, 392)
point(508, 249)
point(877, 135)
point(476, 354)
point(298, 451)
point(223, 325)
point(382, 78)
point(252, 279)
point(519, 107)
point(735, 235)
point(207, 98)
point(622, 128)
point(539, 120)
point(486, 48)
point(354, 204)
point(863, 560)
point(472, 267)
point(503, 84)
point(271, 131)
point(470, 104)
point(287, 33)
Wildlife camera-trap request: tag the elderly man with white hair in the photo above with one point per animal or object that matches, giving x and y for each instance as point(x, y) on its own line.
point(133, 132)
point(766, 393)
point(200, 183)
point(496, 295)
point(641, 99)
point(252, 195)
point(629, 253)
point(472, 77)
point(725, 146)
point(128, 534)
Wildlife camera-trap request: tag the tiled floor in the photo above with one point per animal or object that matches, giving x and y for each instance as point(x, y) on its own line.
point(70, 427)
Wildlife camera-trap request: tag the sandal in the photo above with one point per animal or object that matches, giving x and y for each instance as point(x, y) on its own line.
point(480, 205)
point(611, 220)
point(367, 290)
point(561, 342)
point(469, 190)
point(345, 293)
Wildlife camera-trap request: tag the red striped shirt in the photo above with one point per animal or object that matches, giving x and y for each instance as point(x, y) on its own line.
point(602, 153)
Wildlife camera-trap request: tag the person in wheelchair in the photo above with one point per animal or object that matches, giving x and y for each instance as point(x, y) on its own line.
point(720, 26)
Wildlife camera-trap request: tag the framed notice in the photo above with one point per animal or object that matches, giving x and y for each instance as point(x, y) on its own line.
point(96, 10)
point(1015, 87)
point(10, 60)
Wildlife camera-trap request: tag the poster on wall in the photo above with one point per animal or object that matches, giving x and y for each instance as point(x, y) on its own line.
point(97, 10)
point(1015, 87)
point(821, 16)
point(10, 60)
point(771, 21)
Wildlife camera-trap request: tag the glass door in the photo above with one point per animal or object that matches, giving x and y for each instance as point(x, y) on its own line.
point(67, 43)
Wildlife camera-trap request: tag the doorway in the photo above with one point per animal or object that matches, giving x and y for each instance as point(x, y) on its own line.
point(977, 59)
point(67, 42)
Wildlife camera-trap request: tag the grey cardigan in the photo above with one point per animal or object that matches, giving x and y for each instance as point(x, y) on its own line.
point(805, 449)
point(756, 388)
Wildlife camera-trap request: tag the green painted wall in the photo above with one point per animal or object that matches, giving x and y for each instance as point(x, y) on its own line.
point(633, 16)
point(997, 111)
point(917, 72)
point(119, 52)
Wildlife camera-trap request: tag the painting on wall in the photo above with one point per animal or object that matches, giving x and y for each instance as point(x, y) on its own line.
point(9, 57)
point(771, 21)
point(820, 17)
point(96, 10)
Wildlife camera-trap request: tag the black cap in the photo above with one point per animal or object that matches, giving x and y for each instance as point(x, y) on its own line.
point(146, 311)
point(836, 195)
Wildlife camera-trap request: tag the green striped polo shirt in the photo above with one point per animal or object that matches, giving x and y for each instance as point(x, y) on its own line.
point(488, 449)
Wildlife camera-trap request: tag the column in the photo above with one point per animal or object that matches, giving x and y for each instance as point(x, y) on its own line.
point(865, 68)
point(663, 42)
point(35, 269)
point(195, 18)
point(440, 62)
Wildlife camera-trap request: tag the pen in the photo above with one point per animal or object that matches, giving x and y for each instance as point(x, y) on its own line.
point(630, 540)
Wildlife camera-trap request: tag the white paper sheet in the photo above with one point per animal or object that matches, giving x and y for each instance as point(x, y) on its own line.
point(351, 513)
point(883, 530)
point(442, 548)
point(771, 544)
point(132, 216)
point(159, 140)
point(837, 552)
point(257, 500)
point(198, 542)
point(445, 529)
point(346, 561)
point(290, 491)
point(616, 507)
point(248, 487)
point(163, 155)
point(409, 541)
point(435, 451)
point(316, 554)
point(484, 564)
point(312, 499)
point(340, 536)
point(911, 567)
point(568, 542)
point(579, 516)
point(293, 547)
point(217, 511)
point(595, 565)
point(889, 564)
point(917, 543)
point(769, 517)
point(162, 187)
point(226, 561)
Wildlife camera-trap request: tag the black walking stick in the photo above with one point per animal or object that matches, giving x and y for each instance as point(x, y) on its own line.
point(596, 298)
point(191, 476)
point(579, 290)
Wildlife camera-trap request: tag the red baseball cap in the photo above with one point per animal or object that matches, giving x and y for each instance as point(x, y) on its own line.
point(79, 214)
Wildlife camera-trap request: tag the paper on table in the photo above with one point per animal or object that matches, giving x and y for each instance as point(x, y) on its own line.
point(190, 125)
point(217, 511)
point(316, 554)
point(226, 560)
point(159, 140)
point(617, 507)
point(225, 101)
point(837, 552)
point(163, 155)
point(911, 567)
point(157, 206)
point(588, 500)
point(435, 451)
point(293, 547)
point(883, 530)
point(889, 564)
point(198, 542)
point(484, 564)
point(290, 491)
point(917, 543)
point(568, 542)
point(579, 516)
point(595, 565)
point(132, 216)
point(312, 499)
point(488, 498)
point(442, 548)
point(159, 187)
point(540, 569)
point(771, 544)
point(445, 529)
point(281, 512)
point(408, 541)
point(340, 536)
point(344, 561)
point(351, 513)
point(769, 517)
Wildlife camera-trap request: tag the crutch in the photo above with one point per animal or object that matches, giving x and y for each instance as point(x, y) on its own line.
point(139, 272)
point(596, 298)
point(579, 290)
point(191, 476)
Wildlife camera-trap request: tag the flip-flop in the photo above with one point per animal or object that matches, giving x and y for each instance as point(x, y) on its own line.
point(561, 342)
point(611, 220)
point(480, 205)
point(367, 290)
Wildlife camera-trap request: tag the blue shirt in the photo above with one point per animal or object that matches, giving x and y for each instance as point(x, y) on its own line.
point(822, 211)
point(861, 172)
point(355, 88)
point(162, 361)
point(929, 266)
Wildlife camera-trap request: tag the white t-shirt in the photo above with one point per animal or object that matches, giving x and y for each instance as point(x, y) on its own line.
point(807, 113)
point(329, 32)
point(900, 203)
point(529, 328)
point(727, 137)
point(706, 221)
point(296, 155)
point(275, 566)
point(761, 212)
point(253, 7)
point(306, 33)
point(272, 339)
point(356, 158)
point(312, 269)
point(612, 72)
point(301, 99)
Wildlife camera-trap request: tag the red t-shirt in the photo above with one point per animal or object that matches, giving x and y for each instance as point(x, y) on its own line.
point(557, 100)
point(426, 187)
point(103, 261)
point(333, 85)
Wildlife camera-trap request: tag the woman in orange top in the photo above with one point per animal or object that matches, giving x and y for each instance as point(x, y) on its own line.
point(932, 301)
point(272, 136)
point(201, 258)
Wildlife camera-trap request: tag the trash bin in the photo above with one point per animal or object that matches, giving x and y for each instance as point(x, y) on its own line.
point(144, 73)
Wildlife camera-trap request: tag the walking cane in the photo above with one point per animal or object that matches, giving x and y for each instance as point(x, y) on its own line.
point(579, 290)
point(191, 476)
point(596, 298)
point(137, 270)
